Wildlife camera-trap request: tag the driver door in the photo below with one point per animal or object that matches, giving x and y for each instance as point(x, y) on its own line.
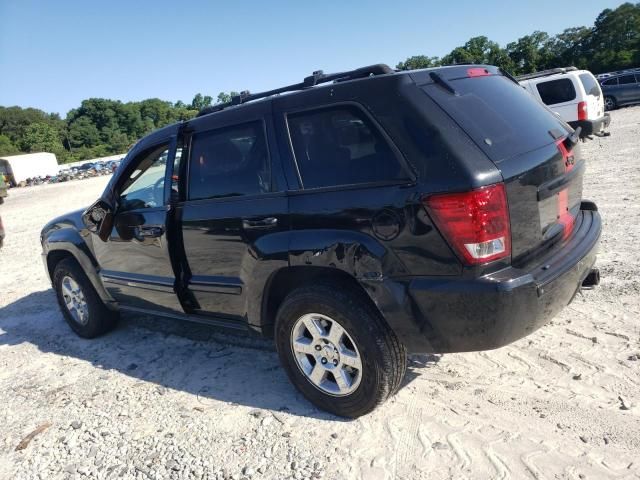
point(135, 260)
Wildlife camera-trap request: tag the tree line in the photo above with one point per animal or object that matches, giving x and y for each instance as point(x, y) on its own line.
point(101, 127)
point(612, 43)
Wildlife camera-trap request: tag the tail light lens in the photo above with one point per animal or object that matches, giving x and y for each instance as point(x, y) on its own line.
point(583, 111)
point(476, 223)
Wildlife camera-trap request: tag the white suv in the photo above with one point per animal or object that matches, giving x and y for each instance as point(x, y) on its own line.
point(573, 94)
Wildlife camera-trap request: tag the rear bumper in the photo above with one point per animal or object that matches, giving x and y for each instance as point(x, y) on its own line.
point(592, 127)
point(458, 314)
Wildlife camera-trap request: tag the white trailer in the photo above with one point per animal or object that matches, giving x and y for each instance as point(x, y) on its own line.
point(21, 167)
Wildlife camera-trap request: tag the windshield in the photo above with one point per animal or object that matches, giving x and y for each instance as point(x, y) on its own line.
point(502, 118)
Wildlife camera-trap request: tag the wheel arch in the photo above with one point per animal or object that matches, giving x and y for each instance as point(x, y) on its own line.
point(287, 279)
point(66, 243)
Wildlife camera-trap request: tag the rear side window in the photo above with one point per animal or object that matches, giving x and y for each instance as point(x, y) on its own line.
point(626, 79)
point(341, 146)
point(502, 118)
point(556, 91)
point(229, 162)
point(590, 85)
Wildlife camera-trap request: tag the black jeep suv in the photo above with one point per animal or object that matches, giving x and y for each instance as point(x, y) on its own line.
point(360, 216)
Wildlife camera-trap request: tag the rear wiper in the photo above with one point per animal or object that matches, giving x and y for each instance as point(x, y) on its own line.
point(442, 82)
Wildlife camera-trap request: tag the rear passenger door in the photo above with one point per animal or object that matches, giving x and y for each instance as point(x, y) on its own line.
point(233, 214)
point(351, 183)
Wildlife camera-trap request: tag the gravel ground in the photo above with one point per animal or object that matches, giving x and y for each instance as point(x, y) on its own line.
point(156, 399)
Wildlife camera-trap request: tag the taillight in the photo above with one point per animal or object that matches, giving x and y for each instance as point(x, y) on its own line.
point(476, 223)
point(583, 111)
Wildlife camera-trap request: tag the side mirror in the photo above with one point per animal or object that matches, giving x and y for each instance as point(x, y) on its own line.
point(98, 219)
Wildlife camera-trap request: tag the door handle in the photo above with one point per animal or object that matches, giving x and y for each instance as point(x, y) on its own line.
point(148, 232)
point(259, 223)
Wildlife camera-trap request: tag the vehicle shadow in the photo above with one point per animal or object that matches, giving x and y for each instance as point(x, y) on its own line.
point(197, 359)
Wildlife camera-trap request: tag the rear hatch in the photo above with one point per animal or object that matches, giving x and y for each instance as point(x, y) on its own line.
point(530, 145)
point(595, 102)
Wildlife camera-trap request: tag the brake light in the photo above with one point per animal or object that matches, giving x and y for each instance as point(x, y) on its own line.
point(565, 217)
point(583, 111)
point(477, 72)
point(476, 223)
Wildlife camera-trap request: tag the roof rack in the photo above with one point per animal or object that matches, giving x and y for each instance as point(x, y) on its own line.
point(315, 78)
point(545, 73)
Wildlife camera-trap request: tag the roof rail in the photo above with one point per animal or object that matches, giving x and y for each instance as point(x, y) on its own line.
point(315, 78)
point(545, 73)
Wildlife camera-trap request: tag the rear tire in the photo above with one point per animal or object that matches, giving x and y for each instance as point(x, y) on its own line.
point(610, 103)
point(367, 357)
point(79, 302)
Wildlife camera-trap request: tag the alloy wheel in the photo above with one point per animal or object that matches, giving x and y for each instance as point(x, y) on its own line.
point(326, 354)
point(74, 300)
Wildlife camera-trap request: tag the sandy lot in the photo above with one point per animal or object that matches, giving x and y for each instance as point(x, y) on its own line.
point(158, 400)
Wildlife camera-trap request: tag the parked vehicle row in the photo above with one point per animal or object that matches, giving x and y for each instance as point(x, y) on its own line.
point(87, 170)
point(350, 228)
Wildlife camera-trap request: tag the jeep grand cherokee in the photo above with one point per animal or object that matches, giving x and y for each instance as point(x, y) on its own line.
point(360, 216)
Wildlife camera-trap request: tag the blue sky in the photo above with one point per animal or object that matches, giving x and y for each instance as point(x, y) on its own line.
point(54, 54)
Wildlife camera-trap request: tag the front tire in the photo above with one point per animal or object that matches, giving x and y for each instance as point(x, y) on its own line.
point(79, 302)
point(338, 350)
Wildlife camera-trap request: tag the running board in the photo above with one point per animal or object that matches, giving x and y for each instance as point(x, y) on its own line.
point(210, 321)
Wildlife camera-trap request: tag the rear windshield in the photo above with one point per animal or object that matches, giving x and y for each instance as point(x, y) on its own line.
point(502, 118)
point(590, 84)
point(556, 91)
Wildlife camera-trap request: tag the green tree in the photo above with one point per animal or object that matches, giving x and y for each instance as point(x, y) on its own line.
point(199, 101)
point(41, 137)
point(417, 62)
point(224, 97)
point(615, 42)
point(478, 50)
point(6, 147)
point(529, 53)
point(82, 132)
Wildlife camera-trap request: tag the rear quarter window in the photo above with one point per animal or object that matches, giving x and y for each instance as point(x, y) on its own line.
point(341, 146)
point(556, 91)
point(590, 84)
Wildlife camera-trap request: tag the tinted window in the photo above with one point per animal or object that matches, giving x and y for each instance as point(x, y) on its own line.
point(145, 186)
point(229, 162)
point(340, 146)
point(610, 81)
point(626, 79)
point(501, 117)
point(556, 91)
point(590, 85)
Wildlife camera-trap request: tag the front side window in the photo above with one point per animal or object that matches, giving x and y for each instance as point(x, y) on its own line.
point(341, 146)
point(145, 186)
point(610, 82)
point(556, 91)
point(229, 162)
